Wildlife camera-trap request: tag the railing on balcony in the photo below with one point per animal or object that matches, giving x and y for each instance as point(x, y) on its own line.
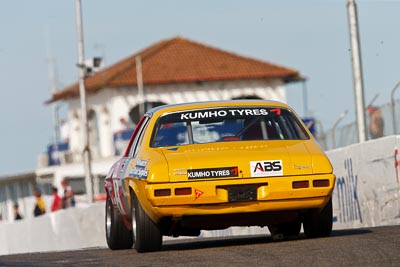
point(56, 153)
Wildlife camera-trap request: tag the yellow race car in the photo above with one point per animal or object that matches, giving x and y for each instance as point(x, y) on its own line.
point(212, 165)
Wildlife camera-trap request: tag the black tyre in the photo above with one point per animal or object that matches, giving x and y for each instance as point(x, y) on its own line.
point(289, 229)
point(147, 235)
point(318, 223)
point(118, 236)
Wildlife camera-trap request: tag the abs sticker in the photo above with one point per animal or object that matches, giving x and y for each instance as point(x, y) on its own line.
point(265, 168)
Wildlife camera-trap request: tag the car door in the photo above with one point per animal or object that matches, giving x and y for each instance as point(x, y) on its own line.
point(114, 180)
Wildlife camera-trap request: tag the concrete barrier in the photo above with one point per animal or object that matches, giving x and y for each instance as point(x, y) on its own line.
point(367, 184)
point(62, 230)
point(77, 228)
point(366, 194)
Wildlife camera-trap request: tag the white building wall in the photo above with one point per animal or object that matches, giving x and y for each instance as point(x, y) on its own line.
point(75, 133)
point(105, 131)
point(99, 103)
point(120, 104)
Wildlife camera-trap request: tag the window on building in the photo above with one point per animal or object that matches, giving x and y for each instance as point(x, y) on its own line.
point(94, 136)
point(15, 192)
point(77, 184)
point(102, 189)
point(3, 202)
point(3, 193)
point(26, 189)
point(45, 188)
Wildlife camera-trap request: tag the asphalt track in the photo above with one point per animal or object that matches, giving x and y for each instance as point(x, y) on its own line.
point(379, 246)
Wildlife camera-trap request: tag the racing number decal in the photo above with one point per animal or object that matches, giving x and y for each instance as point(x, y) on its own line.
point(118, 196)
point(266, 168)
point(117, 184)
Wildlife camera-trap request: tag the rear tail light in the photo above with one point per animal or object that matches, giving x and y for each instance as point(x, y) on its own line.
point(183, 191)
point(162, 192)
point(300, 184)
point(178, 192)
point(321, 183)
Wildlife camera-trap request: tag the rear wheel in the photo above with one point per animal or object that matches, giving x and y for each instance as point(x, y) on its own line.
point(117, 235)
point(318, 223)
point(147, 234)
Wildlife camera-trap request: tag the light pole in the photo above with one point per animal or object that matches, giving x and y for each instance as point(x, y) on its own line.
point(357, 71)
point(341, 116)
point(82, 94)
point(139, 78)
point(53, 85)
point(55, 108)
point(393, 107)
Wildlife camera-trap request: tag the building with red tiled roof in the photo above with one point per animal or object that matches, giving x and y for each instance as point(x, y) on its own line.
point(179, 60)
point(173, 71)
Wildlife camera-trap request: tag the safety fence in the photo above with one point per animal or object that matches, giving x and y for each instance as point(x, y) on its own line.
point(381, 121)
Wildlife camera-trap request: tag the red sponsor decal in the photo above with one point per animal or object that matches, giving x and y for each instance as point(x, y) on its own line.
point(197, 193)
point(234, 171)
point(276, 110)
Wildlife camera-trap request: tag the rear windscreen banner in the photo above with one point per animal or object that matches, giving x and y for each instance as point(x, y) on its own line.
point(213, 173)
point(220, 114)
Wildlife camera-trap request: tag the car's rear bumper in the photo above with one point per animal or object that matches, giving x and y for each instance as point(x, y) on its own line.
point(211, 197)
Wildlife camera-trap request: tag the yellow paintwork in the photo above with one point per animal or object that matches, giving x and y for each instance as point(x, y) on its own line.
point(273, 194)
point(302, 160)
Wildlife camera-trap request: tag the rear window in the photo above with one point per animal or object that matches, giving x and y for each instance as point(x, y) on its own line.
point(227, 125)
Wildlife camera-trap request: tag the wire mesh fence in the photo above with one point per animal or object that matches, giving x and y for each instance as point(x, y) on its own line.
point(381, 121)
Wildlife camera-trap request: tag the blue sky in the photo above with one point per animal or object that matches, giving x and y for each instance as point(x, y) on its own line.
point(309, 35)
